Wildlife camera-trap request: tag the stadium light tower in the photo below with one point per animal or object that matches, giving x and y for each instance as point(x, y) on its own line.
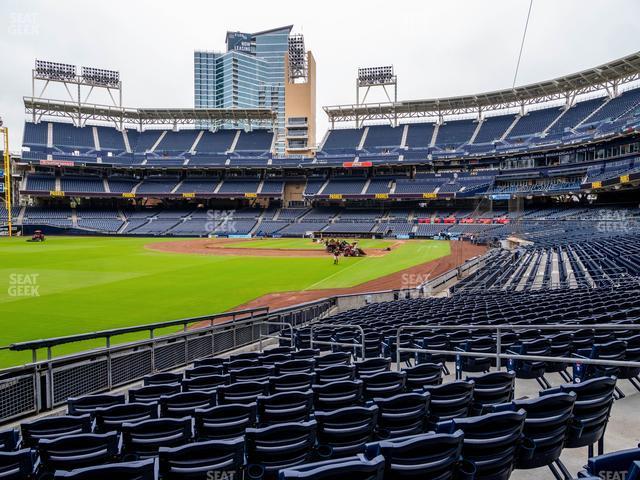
point(6, 173)
point(79, 87)
point(369, 77)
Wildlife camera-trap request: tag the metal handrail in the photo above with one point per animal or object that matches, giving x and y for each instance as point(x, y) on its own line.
point(498, 356)
point(342, 344)
point(150, 327)
point(287, 324)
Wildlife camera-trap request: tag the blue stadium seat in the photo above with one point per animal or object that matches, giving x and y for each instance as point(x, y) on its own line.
point(618, 464)
point(273, 448)
point(430, 455)
point(205, 383)
point(590, 412)
point(291, 382)
point(450, 400)
point(242, 392)
point(354, 468)
point(162, 378)
point(333, 359)
point(545, 428)
point(301, 365)
point(152, 393)
point(54, 427)
point(203, 460)
point(372, 366)
point(140, 470)
point(185, 404)
point(490, 389)
point(224, 421)
point(402, 415)
point(18, 465)
point(77, 451)
point(285, 407)
point(345, 431)
point(335, 373)
point(252, 374)
point(143, 439)
point(333, 395)
point(422, 375)
point(88, 403)
point(491, 442)
point(203, 371)
point(9, 440)
point(383, 385)
point(112, 418)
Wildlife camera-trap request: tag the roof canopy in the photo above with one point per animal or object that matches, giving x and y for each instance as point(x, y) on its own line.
point(143, 116)
point(608, 76)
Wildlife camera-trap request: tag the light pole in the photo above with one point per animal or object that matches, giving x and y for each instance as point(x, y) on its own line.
point(7, 176)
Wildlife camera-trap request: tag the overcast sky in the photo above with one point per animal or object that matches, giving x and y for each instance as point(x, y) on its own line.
point(438, 48)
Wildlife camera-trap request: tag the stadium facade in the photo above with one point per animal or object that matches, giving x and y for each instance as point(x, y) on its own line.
point(262, 70)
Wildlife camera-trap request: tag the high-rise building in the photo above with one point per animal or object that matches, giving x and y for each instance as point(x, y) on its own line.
point(268, 69)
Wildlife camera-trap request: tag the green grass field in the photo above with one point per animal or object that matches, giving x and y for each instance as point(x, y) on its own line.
point(89, 284)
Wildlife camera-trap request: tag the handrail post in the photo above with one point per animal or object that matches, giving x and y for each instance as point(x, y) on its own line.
point(109, 373)
point(398, 348)
point(498, 347)
point(49, 400)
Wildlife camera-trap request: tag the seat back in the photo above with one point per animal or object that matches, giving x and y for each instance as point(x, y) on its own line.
point(18, 464)
point(77, 451)
point(354, 468)
point(335, 373)
point(206, 383)
point(162, 378)
point(591, 411)
point(241, 392)
point(492, 388)
point(88, 403)
point(53, 427)
point(204, 371)
point(423, 375)
point(9, 440)
point(143, 439)
point(450, 400)
point(402, 415)
point(331, 396)
point(429, 455)
point(372, 366)
point(491, 441)
point(330, 359)
point(152, 393)
point(185, 404)
point(252, 374)
point(383, 385)
point(291, 382)
point(111, 418)
point(346, 431)
point(545, 428)
point(210, 459)
point(285, 407)
point(301, 365)
point(615, 464)
point(224, 421)
point(278, 446)
point(139, 470)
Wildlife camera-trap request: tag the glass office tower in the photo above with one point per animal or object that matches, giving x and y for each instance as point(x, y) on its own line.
point(250, 74)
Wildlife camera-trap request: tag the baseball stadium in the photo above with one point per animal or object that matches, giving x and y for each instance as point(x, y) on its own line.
point(438, 288)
